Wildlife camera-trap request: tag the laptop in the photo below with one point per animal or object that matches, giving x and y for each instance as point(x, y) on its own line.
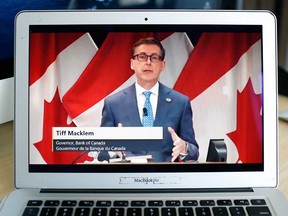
point(68, 66)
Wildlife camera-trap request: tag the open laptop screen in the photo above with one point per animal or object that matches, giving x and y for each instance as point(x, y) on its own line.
point(74, 68)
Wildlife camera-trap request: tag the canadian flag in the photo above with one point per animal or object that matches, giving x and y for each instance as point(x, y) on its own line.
point(221, 73)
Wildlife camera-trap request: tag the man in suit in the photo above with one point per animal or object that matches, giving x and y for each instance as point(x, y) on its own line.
point(164, 107)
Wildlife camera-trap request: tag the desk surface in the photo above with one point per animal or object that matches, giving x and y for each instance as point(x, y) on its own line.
point(6, 154)
point(283, 147)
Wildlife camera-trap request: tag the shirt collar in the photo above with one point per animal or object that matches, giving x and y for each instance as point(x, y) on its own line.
point(140, 89)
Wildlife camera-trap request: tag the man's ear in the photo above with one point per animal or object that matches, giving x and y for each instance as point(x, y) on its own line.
point(163, 65)
point(131, 64)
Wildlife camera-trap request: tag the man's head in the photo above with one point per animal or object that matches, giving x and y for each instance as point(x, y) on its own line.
point(149, 41)
point(147, 61)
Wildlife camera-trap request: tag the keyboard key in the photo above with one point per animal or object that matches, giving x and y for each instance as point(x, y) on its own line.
point(103, 203)
point(237, 211)
point(31, 211)
point(185, 211)
point(190, 203)
point(168, 212)
point(173, 203)
point(255, 211)
point(151, 211)
point(48, 211)
point(220, 211)
point(99, 212)
point(69, 203)
point(207, 202)
point(120, 203)
point(138, 203)
point(224, 202)
point(65, 212)
point(242, 202)
point(134, 212)
point(203, 211)
point(155, 203)
point(116, 212)
point(86, 203)
point(258, 202)
point(82, 212)
point(34, 203)
point(52, 203)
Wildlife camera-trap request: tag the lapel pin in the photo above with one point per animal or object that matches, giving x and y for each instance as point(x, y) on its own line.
point(168, 100)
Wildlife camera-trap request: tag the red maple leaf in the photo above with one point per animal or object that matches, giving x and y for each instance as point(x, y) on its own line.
point(248, 134)
point(56, 116)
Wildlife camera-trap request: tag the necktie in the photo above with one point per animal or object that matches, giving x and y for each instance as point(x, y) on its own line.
point(147, 120)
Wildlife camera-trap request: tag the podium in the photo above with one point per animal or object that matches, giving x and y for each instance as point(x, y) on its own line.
point(134, 159)
point(217, 151)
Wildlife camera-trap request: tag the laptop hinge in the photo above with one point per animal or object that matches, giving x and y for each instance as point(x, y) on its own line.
point(183, 190)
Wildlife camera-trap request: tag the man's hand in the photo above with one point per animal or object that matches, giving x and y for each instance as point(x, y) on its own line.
point(120, 154)
point(179, 144)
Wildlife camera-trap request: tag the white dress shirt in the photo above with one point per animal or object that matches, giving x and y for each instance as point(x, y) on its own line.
point(141, 98)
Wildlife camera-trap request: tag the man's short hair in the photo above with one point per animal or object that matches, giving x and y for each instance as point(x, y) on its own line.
point(149, 40)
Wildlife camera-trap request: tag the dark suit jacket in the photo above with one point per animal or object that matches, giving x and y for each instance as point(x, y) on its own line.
point(173, 110)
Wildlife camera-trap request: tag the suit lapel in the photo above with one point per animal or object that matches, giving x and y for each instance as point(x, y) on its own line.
point(163, 101)
point(131, 105)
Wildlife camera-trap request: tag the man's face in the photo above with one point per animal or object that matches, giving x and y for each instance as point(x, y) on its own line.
point(147, 72)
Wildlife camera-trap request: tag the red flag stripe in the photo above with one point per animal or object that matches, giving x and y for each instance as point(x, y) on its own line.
point(248, 109)
point(46, 46)
point(213, 56)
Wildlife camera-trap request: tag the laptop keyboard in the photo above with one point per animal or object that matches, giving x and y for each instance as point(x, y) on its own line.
point(223, 207)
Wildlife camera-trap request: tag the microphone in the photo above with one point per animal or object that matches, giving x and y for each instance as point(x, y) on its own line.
point(123, 156)
point(78, 157)
point(145, 111)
